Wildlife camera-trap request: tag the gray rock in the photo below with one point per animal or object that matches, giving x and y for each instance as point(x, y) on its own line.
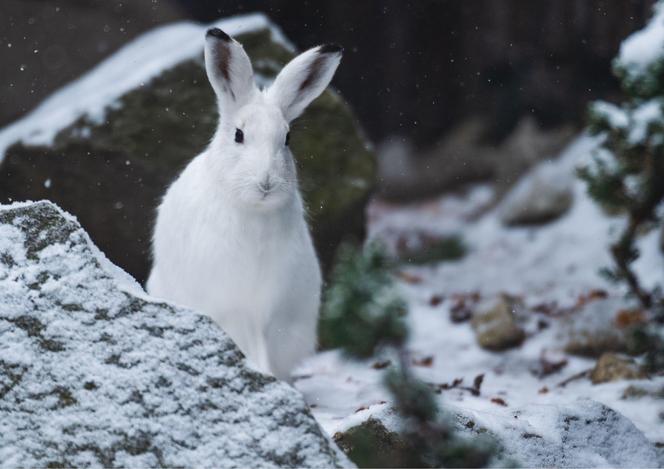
point(94, 373)
point(539, 197)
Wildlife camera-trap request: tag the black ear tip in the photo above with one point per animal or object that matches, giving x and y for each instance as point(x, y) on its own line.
point(218, 33)
point(330, 49)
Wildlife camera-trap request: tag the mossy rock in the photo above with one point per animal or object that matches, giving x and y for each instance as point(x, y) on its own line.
point(371, 444)
point(112, 174)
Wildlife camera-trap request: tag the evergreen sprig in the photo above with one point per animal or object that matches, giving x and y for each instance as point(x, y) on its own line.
point(627, 177)
point(363, 313)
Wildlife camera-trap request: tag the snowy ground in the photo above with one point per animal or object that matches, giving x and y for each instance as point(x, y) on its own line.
point(557, 262)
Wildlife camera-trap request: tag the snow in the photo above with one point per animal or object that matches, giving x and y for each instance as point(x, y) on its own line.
point(616, 117)
point(557, 262)
point(130, 67)
point(645, 46)
point(93, 373)
point(647, 114)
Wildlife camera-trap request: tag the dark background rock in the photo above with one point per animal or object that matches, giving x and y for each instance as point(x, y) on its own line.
point(69, 37)
point(93, 374)
point(111, 175)
point(464, 156)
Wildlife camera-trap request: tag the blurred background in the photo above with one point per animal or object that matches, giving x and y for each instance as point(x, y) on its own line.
point(446, 93)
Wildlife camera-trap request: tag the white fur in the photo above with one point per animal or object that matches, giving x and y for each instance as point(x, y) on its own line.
point(224, 246)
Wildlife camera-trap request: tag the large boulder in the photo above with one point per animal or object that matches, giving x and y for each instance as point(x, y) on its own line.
point(94, 373)
point(106, 147)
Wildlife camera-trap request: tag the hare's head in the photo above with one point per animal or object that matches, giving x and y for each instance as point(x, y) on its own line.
point(250, 153)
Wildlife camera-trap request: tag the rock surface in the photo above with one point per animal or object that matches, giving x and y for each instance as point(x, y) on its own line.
point(94, 373)
point(495, 324)
point(111, 166)
point(583, 434)
point(541, 196)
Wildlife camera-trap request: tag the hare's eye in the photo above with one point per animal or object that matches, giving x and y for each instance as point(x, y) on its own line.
point(239, 136)
point(287, 139)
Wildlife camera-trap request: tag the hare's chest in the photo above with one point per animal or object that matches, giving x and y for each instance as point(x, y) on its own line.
point(245, 264)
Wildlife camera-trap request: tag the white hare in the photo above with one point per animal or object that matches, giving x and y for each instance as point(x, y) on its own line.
point(231, 238)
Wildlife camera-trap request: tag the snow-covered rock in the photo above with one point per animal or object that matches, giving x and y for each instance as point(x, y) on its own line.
point(541, 196)
point(581, 434)
point(94, 373)
point(591, 329)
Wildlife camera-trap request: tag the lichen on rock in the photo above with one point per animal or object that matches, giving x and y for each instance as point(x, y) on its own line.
point(95, 373)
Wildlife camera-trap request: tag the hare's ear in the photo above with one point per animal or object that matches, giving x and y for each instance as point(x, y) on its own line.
point(304, 78)
point(228, 69)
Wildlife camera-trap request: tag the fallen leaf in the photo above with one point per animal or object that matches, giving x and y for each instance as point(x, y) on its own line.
point(477, 384)
point(548, 367)
point(499, 401)
point(426, 361)
point(462, 306)
point(379, 365)
point(630, 317)
point(592, 295)
point(436, 300)
point(409, 278)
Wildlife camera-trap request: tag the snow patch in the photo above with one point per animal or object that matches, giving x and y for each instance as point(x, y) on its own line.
point(645, 46)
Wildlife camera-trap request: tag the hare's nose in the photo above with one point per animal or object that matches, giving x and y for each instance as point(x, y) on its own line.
point(265, 185)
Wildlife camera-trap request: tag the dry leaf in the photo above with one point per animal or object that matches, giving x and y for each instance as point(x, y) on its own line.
point(426, 361)
point(379, 365)
point(499, 401)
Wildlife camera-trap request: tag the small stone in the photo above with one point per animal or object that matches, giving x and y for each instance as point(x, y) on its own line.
point(495, 324)
point(612, 367)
